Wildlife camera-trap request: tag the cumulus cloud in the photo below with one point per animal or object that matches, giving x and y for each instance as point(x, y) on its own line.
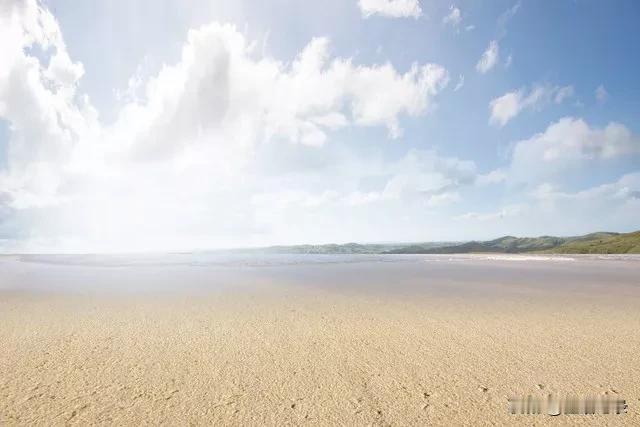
point(489, 58)
point(46, 115)
point(626, 190)
point(228, 146)
point(610, 206)
point(615, 203)
point(568, 145)
point(540, 191)
point(390, 8)
point(509, 105)
point(505, 107)
point(185, 158)
point(220, 90)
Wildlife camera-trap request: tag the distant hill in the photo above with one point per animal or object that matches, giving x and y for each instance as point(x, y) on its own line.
point(506, 244)
point(601, 242)
point(628, 243)
point(347, 248)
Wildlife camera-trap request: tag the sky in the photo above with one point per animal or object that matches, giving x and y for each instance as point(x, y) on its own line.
point(165, 125)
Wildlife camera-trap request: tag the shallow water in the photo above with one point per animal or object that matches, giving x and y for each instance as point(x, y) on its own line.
point(460, 275)
point(221, 259)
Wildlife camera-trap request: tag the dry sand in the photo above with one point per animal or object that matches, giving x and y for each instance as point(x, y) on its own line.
point(422, 344)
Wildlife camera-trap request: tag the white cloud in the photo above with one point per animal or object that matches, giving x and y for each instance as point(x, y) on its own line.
point(420, 176)
point(569, 146)
point(548, 210)
point(504, 19)
point(562, 94)
point(601, 94)
point(222, 148)
point(358, 198)
point(421, 180)
point(47, 116)
point(425, 174)
point(390, 8)
point(495, 176)
point(460, 83)
point(218, 86)
point(380, 94)
point(505, 212)
point(454, 18)
point(191, 147)
point(626, 189)
point(509, 105)
point(470, 27)
point(443, 199)
point(545, 199)
point(613, 205)
point(505, 107)
point(489, 58)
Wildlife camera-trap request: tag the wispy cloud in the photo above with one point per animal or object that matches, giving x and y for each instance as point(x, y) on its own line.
point(390, 8)
point(489, 58)
point(459, 84)
point(509, 105)
point(453, 18)
point(491, 55)
point(505, 17)
point(601, 94)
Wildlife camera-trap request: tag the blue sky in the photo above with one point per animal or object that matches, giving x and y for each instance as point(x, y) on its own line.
point(149, 125)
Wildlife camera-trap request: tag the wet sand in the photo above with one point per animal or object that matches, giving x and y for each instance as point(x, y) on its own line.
point(342, 340)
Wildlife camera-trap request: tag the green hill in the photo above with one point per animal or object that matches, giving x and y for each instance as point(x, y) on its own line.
point(594, 243)
point(347, 248)
point(600, 243)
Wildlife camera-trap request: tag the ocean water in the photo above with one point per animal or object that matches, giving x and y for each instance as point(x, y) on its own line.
point(471, 275)
point(222, 259)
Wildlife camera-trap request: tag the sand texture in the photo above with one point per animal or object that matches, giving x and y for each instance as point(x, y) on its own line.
point(362, 343)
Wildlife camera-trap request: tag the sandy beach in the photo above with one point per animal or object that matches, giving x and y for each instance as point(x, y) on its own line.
point(340, 340)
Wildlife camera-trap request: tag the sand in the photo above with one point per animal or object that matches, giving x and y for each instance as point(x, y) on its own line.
point(364, 343)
